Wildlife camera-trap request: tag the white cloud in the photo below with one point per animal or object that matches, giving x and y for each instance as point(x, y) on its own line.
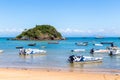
point(92, 32)
point(10, 32)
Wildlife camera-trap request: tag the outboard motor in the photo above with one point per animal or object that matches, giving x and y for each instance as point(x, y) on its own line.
point(71, 58)
point(111, 53)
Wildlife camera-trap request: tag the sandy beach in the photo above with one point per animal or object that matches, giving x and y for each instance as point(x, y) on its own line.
point(39, 74)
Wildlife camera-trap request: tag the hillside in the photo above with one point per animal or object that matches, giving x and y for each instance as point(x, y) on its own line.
point(40, 32)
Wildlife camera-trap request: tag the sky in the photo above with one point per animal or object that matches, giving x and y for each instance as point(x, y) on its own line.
point(73, 18)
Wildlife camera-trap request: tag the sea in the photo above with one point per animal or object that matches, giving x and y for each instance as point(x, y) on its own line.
point(57, 54)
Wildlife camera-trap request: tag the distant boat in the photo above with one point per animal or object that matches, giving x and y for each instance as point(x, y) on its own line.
point(78, 50)
point(81, 43)
point(98, 44)
point(32, 44)
point(99, 37)
point(19, 47)
point(53, 42)
point(106, 42)
point(43, 46)
point(84, 59)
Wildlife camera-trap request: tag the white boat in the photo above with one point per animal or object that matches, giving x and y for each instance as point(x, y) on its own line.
point(114, 52)
point(84, 59)
point(98, 44)
point(81, 43)
point(1, 51)
point(78, 50)
point(31, 51)
point(101, 51)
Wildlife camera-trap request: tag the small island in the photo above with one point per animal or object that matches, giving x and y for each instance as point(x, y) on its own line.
point(40, 32)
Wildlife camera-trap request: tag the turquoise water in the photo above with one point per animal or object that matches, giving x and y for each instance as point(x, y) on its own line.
point(57, 54)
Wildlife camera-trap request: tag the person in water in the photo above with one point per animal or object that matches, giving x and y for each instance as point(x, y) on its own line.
point(92, 51)
point(71, 58)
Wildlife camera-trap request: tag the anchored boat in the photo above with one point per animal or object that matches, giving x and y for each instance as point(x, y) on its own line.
point(84, 59)
point(31, 51)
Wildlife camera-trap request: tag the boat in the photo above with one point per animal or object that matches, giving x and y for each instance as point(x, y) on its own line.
point(53, 42)
point(81, 43)
point(98, 44)
point(19, 47)
point(114, 52)
point(78, 50)
point(31, 51)
point(101, 51)
point(1, 51)
point(43, 46)
point(106, 42)
point(32, 44)
point(84, 59)
point(99, 37)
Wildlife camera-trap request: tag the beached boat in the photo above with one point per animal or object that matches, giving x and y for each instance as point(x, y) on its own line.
point(31, 51)
point(84, 59)
point(78, 50)
point(32, 44)
point(81, 43)
point(1, 51)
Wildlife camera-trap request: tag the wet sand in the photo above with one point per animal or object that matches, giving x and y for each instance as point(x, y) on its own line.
point(47, 74)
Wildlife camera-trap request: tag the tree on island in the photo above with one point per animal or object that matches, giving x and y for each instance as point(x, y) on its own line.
point(40, 32)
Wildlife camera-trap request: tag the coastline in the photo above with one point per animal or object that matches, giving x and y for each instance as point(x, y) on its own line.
point(54, 74)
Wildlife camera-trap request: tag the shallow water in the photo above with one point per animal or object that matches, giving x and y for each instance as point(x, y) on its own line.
point(57, 54)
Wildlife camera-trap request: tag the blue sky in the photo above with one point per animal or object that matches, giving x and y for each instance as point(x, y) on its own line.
point(70, 17)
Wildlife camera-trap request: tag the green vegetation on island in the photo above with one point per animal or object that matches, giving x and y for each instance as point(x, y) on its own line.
point(40, 32)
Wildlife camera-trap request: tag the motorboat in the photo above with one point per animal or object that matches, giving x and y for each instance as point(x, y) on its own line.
point(32, 44)
point(101, 51)
point(81, 43)
point(31, 51)
point(84, 59)
point(98, 44)
point(53, 42)
point(114, 52)
point(78, 50)
point(19, 47)
point(106, 42)
point(1, 51)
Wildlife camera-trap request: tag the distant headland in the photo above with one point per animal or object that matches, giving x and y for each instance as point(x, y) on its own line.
point(40, 32)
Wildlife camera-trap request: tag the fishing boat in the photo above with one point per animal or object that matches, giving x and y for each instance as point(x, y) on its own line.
point(84, 59)
point(78, 50)
point(31, 51)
